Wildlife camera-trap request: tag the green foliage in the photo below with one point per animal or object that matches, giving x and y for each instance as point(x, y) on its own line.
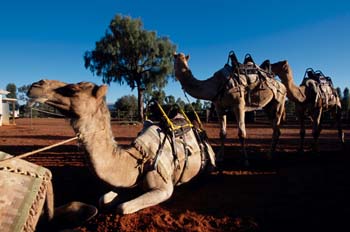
point(180, 102)
point(290, 107)
point(339, 92)
point(159, 95)
point(169, 100)
point(196, 106)
point(127, 104)
point(346, 100)
point(12, 89)
point(22, 92)
point(129, 54)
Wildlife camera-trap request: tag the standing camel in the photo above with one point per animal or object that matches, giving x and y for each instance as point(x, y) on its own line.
point(307, 98)
point(226, 92)
point(142, 163)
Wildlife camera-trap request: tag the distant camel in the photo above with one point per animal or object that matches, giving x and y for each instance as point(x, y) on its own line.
point(153, 161)
point(311, 98)
point(227, 93)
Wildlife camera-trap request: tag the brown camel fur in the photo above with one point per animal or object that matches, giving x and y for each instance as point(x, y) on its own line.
point(125, 167)
point(307, 100)
point(263, 96)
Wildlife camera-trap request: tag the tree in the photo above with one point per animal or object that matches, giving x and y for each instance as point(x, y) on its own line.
point(12, 89)
point(159, 95)
point(346, 103)
point(127, 105)
point(23, 98)
point(132, 55)
point(169, 100)
point(339, 92)
point(22, 93)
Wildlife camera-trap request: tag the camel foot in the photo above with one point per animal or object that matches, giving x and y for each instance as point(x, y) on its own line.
point(107, 199)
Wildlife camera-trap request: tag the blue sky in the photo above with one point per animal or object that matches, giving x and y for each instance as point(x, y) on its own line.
point(47, 39)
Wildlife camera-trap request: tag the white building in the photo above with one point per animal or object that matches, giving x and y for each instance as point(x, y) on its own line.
point(5, 108)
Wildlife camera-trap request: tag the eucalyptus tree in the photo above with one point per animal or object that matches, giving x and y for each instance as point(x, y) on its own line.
point(129, 54)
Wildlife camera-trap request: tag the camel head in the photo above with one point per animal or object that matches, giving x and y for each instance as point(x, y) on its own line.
point(280, 67)
point(283, 70)
point(180, 63)
point(72, 100)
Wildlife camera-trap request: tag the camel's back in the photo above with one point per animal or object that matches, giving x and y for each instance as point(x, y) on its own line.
point(170, 158)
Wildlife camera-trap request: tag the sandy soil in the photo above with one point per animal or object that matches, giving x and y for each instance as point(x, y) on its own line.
point(292, 192)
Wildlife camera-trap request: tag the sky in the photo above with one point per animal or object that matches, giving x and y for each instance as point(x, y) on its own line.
point(43, 39)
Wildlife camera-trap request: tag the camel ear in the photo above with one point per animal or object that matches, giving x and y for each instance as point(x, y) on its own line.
point(187, 57)
point(175, 55)
point(101, 91)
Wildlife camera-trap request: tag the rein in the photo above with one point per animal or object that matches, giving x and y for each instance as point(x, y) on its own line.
point(38, 150)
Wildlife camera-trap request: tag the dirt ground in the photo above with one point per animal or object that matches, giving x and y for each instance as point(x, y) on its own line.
point(291, 192)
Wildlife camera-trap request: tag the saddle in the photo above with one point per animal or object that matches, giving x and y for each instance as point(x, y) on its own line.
point(317, 76)
point(249, 76)
point(324, 84)
point(173, 133)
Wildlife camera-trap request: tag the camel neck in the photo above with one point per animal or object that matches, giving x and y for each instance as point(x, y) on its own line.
point(201, 89)
point(294, 92)
point(95, 133)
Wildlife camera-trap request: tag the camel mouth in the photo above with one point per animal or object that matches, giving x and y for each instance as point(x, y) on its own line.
point(33, 100)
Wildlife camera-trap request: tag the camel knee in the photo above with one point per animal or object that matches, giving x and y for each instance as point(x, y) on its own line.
point(148, 199)
point(107, 199)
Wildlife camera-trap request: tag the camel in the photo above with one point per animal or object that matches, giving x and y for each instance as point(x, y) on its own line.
point(269, 95)
point(150, 161)
point(308, 101)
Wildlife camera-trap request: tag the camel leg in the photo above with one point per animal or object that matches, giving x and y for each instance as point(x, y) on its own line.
point(316, 127)
point(240, 116)
point(159, 191)
point(222, 120)
point(276, 122)
point(302, 130)
point(108, 200)
point(340, 129)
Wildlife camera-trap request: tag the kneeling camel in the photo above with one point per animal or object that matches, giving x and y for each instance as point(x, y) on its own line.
point(138, 164)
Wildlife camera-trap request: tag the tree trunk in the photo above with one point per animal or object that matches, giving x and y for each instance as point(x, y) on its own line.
point(140, 103)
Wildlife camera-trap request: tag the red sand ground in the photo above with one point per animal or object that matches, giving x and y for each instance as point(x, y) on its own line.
point(293, 192)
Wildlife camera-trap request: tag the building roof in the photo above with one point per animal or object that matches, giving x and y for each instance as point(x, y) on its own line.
point(9, 99)
point(4, 91)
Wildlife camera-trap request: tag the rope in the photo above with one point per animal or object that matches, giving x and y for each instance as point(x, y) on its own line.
point(47, 112)
point(195, 113)
point(38, 150)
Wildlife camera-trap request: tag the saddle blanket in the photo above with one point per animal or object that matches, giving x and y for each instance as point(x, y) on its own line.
point(23, 187)
point(149, 141)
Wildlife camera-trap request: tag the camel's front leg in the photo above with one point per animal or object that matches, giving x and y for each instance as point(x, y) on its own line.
point(302, 130)
point(276, 122)
point(159, 191)
point(339, 125)
point(222, 120)
point(316, 127)
point(240, 117)
point(223, 134)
